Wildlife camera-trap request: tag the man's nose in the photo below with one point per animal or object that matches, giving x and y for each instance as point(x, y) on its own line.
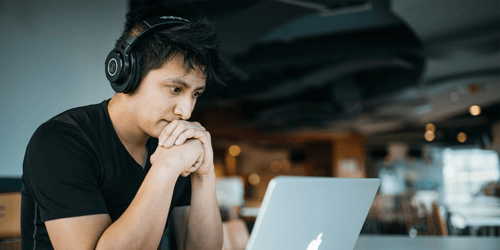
point(184, 108)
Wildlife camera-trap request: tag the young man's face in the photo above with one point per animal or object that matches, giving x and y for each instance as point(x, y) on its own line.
point(166, 94)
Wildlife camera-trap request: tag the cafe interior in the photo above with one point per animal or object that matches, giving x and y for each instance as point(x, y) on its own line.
point(400, 90)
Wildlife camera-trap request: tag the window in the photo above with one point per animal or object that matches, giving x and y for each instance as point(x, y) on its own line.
point(465, 171)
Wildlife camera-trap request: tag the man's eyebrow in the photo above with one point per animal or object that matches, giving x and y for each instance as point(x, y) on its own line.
point(182, 83)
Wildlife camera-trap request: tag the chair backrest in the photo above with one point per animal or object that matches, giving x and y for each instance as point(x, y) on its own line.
point(236, 234)
point(10, 215)
point(439, 221)
point(11, 245)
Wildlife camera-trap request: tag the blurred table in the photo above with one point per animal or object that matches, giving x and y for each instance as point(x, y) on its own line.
point(482, 212)
point(249, 211)
point(425, 242)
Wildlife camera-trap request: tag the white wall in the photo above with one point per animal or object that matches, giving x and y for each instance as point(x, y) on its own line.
point(51, 59)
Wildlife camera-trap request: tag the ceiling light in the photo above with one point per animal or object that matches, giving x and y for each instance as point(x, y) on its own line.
point(430, 127)
point(429, 136)
point(275, 166)
point(230, 161)
point(254, 179)
point(462, 137)
point(234, 150)
point(475, 110)
point(285, 165)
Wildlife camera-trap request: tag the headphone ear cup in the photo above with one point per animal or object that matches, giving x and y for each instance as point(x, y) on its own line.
point(134, 74)
point(114, 68)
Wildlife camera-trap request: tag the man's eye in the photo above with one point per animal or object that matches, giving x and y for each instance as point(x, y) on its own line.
point(175, 89)
point(197, 94)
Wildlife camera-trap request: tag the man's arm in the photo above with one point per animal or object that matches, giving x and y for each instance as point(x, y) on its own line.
point(204, 229)
point(142, 224)
point(205, 224)
point(201, 221)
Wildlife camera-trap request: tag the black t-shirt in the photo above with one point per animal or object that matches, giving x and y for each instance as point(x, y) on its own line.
point(76, 165)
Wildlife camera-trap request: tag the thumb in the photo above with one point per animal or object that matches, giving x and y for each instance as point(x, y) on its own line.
point(199, 161)
point(153, 157)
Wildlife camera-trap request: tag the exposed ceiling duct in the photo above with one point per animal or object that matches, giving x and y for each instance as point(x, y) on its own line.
point(328, 63)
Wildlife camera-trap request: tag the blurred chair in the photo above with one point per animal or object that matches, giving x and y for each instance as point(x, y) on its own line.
point(407, 214)
point(439, 220)
point(10, 221)
point(11, 245)
point(417, 217)
point(236, 235)
point(492, 189)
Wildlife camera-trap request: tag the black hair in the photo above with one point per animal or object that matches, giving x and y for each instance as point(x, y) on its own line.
point(196, 42)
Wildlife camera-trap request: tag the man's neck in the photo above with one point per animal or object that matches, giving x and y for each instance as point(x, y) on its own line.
point(124, 123)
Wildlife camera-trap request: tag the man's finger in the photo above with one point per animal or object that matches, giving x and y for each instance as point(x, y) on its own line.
point(169, 142)
point(184, 136)
point(191, 169)
point(165, 133)
point(191, 133)
point(153, 157)
point(182, 127)
point(173, 126)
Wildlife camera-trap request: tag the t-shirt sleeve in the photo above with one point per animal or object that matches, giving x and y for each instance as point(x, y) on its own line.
point(61, 172)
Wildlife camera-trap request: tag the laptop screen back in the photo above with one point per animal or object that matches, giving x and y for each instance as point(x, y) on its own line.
point(310, 213)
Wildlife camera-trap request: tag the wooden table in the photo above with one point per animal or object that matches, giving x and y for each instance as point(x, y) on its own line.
point(426, 242)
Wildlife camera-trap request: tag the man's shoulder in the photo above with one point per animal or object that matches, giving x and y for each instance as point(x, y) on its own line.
point(79, 121)
point(82, 114)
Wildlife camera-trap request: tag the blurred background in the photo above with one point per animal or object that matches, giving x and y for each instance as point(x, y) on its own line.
point(405, 91)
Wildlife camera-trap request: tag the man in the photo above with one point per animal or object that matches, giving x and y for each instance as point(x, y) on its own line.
point(96, 177)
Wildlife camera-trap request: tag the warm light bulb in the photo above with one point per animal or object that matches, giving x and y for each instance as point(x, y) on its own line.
point(286, 165)
point(429, 136)
point(475, 110)
point(254, 179)
point(230, 162)
point(218, 171)
point(430, 127)
point(462, 137)
point(234, 150)
point(275, 166)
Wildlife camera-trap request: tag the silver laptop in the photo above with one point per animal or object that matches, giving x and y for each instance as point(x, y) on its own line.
point(312, 213)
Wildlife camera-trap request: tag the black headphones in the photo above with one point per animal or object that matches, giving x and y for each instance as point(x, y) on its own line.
point(121, 65)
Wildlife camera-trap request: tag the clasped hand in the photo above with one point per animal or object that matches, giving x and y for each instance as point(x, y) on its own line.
point(186, 145)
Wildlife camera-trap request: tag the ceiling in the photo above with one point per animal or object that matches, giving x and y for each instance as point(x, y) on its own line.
point(375, 67)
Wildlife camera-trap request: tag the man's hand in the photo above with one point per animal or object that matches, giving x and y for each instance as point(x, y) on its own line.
point(187, 157)
point(178, 131)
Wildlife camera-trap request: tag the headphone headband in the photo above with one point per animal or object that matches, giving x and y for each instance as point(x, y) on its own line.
point(120, 64)
point(146, 26)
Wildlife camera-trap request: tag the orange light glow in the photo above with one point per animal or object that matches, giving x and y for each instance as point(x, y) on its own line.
point(254, 179)
point(275, 166)
point(218, 169)
point(429, 136)
point(230, 161)
point(286, 165)
point(462, 137)
point(475, 110)
point(234, 150)
point(430, 127)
